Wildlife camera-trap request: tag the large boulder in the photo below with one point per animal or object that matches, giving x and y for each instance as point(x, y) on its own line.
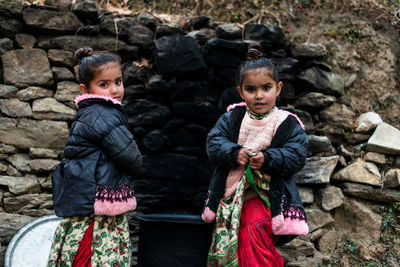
point(25, 67)
point(24, 133)
point(51, 21)
point(178, 56)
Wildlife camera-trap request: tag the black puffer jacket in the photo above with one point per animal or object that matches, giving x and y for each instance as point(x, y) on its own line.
point(100, 150)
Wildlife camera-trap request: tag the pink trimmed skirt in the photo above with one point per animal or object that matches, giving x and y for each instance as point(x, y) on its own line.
point(256, 241)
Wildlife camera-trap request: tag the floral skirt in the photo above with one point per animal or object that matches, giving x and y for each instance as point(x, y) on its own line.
point(109, 245)
point(256, 241)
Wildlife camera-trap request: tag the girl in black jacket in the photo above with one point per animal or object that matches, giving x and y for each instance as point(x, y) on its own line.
point(257, 148)
point(91, 186)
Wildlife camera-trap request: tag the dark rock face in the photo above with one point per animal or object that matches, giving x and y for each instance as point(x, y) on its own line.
point(178, 56)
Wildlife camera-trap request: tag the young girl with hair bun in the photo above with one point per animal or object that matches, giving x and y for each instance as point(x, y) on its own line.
point(257, 148)
point(91, 185)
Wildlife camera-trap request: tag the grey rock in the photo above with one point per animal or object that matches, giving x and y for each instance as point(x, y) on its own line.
point(61, 58)
point(370, 193)
point(24, 67)
point(360, 172)
point(316, 79)
point(148, 20)
point(43, 153)
point(306, 194)
point(20, 161)
point(392, 179)
point(169, 29)
point(140, 36)
point(3, 169)
point(51, 109)
point(375, 158)
point(9, 27)
point(25, 41)
point(88, 11)
point(4, 148)
point(350, 80)
point(67, 91)
point(309, 50)
point(15, 108)
point(21, 185)
point(317, 170)
point(318, 219)
point(60, 4)
point(34, 92)
point(296, 248)
point(229, 31)
point(10, 224)
point(8, 91)
point(26, 133)
point(203, 35)
point(328, 242)
point(72, 43)
point(368, 121)
point(11, 8)
point(11, 171)
point(5, 45)
point(51, 21)
point(338, 114)
point(43, 165)
point(330, 197)
point(34, 205)
point(385, 139)
point(357, 220)
point(61, 73)
point(318, 144)
point(314, 101)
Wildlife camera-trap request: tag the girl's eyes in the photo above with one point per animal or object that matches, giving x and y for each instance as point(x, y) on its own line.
point(118, 82)
point(266, 88)
point(250, 89)
point(104, 85)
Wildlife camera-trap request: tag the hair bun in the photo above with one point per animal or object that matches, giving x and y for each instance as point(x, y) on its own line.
point(254, 52)
point(83, 52)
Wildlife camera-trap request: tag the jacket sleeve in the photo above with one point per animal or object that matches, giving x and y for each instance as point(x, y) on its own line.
point(220, 149)
point(118, 142)
point(288, 159)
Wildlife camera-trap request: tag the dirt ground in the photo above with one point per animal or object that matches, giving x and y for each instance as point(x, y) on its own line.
point(363, 42)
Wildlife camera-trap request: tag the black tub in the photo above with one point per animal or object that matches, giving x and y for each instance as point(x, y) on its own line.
point(177, 240)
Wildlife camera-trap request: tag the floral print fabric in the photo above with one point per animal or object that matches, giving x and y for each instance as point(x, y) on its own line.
point(110, 244)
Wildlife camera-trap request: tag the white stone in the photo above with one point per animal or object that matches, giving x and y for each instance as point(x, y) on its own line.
point(368, 121)
point(386, 140)
point(360, 172)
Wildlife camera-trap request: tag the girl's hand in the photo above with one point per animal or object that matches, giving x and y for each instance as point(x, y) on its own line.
point(243, 157)
point(257, 161)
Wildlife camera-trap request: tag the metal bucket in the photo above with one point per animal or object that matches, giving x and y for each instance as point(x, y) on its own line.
point(30, 247)
point(173, 240)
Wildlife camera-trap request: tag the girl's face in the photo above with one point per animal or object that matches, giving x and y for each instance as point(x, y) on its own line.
point(259, 90)
point(106, 82)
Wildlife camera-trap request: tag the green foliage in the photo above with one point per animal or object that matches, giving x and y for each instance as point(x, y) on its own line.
point(350, 34)
point(390, 226)
point(351, 248)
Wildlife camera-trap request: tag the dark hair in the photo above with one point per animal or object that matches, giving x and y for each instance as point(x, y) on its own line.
point(255, 59)
point(91, 61)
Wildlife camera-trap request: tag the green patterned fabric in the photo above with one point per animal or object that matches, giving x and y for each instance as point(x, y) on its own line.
point(110, 246)
point(224, 249)
point(256, 116)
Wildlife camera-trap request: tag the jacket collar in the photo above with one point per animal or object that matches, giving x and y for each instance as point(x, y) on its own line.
point(82, 97)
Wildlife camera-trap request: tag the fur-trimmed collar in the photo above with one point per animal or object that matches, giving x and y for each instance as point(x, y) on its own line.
point(82, 97)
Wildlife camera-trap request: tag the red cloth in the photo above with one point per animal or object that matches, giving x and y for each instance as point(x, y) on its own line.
point(84, 253)
point(256, 242)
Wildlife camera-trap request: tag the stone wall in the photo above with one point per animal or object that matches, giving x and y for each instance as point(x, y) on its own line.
point(179, 78)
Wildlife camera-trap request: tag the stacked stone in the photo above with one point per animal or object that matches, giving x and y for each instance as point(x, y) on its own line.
point(179, 78)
